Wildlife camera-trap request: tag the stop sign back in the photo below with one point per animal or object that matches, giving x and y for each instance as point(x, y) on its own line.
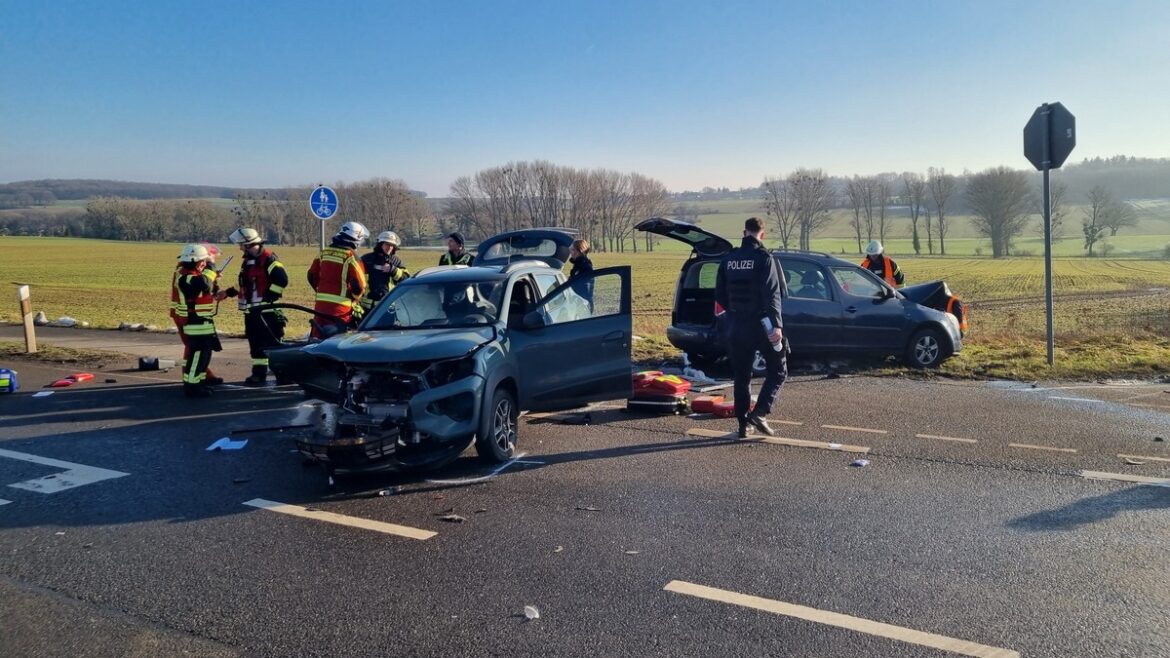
point(1053, 144)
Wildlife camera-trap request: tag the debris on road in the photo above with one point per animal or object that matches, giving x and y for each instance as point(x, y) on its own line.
point(481, 510)
point(1133, 462)
point(452, 518)
point(241, 480)
point(587, 508)
point(45, 394)
point(226, 443)
point(1158, 438)
point(631, 552)
point(558, 549)
point(111, 380)
point(530, 612)
point(859, 463)
point(386, 492)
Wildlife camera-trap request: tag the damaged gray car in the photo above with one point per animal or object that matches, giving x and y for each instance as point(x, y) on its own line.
point(453, 355)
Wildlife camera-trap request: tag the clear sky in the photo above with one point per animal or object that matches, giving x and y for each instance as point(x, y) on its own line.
point(719, 93)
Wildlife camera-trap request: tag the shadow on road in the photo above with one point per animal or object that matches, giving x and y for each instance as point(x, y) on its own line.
point(1093, 510)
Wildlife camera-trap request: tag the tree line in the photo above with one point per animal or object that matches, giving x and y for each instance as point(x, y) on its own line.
point(601, 205)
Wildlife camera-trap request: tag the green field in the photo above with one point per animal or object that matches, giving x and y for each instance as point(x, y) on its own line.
point(1102, 304)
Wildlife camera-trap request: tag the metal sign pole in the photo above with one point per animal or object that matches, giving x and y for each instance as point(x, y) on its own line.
point(1048, 233)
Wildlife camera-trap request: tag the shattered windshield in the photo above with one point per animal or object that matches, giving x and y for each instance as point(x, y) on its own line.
point(447, 304)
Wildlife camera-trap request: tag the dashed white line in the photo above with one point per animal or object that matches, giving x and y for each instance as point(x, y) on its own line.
point(4, 502)
point(341, 519)
point(854, 429)
point(1058, 397)
point(1030, 446)
point(775, 440)
point(494, 472)
point(839, 620)
point(75, 475)
point(936, 437)
point(1125, 477)
point(1155, 459)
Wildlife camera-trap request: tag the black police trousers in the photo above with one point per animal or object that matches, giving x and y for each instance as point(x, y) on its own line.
point(745, 338)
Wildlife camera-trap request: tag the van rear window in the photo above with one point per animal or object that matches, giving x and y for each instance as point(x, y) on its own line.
point(702, 276)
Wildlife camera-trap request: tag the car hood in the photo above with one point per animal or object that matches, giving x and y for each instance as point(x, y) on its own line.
point(401, 345)
point(924, 293)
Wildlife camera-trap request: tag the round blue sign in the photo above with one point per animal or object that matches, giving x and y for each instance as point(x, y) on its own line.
point(323, 202)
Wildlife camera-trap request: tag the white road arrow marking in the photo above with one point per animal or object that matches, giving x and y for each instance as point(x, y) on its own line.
point(75, 475)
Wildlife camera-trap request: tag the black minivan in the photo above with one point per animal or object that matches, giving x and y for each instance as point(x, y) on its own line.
point(831, 308)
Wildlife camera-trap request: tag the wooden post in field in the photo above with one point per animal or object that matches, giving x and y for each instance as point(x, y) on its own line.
point(30, 334)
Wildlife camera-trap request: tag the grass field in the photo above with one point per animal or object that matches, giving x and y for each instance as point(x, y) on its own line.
point(1112, 315)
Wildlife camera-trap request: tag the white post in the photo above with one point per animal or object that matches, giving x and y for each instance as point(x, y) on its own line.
point(30, 336)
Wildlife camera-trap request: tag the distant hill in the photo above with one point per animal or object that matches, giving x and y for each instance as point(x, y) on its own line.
point(45, 192)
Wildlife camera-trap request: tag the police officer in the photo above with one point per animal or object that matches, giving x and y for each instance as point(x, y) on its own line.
point(749, 285)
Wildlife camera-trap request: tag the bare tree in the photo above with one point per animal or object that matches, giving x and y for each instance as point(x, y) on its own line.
point(1057, 207)
point(856, 192)
point(942, 187)
point(814, 197)
point(1001, 200)
point(882, 192)
point(780, 204)
point(1104, 214)
point(914, 189)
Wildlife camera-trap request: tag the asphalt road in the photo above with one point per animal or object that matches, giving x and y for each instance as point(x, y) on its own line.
point(972, 522)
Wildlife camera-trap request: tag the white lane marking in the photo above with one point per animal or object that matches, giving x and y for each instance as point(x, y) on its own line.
point(496, 471)
point(945, 438)
point(839, 620)
point(1156, 459)
point(1029, 446)
point(775, 440)
point(341, 519)
point(4, 502)
point(1125, 477)
point(75, 475)
point(1058, 397)
point(854, 429)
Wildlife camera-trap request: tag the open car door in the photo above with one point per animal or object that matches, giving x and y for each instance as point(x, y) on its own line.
point(574, 347)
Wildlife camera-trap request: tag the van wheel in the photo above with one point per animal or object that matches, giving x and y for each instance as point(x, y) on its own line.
point(925, 349)
point(496, 441)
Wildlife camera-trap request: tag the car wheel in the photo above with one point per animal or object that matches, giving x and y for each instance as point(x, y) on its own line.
point(496, 441)
point(925, 349)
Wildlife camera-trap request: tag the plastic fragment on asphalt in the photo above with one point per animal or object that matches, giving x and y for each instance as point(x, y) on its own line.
point(452, 518)
point(859, 463)
point(1133, 462)
point(45, 394)
point(1156, 438)
point(227, 444)
point(632, 552)
point(558, 549)
point(834, 446)
point(587, 508)
point(530, 612)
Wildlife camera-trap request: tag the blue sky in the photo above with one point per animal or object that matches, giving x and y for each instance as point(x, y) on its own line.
point(692, 93)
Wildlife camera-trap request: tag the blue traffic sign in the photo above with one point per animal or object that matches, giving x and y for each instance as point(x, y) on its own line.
point(323, 202)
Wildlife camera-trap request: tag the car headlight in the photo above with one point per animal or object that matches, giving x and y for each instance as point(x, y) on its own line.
point(445, 372)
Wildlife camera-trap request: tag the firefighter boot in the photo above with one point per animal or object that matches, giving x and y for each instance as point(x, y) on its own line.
point(259, 376)
point(211, 379)
point(197, 391)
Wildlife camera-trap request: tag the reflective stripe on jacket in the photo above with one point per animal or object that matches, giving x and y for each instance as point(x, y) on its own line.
point(338, 277)
point(889, 272)
point(956, 308)
point(196, 292)
point(262, 280)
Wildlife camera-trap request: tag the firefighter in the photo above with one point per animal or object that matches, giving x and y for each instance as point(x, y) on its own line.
point(196, 283)
point(179, 315)
point(261, 283)
point(883, 266)
point(455, 255)
point(384, 268)
point(339, 279)
point(749, 284)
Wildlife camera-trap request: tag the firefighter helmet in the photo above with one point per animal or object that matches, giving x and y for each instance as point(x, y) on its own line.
point(194, 253)
point(389, 237)
point(354, 232)
point(874, 248)
point(246, 236)
point(212, 251)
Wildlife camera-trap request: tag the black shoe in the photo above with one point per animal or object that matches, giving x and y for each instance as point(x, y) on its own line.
point(256, 380)
point(213, 381)
point(761, 424)
point(743, 430)
point(285, 381)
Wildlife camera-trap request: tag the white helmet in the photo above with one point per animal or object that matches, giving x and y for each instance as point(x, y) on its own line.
point(194, 253)
point(390, 237)
point(354, 231)
point(874, 248)
point(246, 236)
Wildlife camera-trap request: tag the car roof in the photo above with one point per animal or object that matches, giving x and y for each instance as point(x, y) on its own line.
point(815, 256)
point(457, 273)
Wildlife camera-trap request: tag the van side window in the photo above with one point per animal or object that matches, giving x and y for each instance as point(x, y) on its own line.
point(702, 276)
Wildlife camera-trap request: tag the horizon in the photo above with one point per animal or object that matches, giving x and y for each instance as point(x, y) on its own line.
point(427, 94)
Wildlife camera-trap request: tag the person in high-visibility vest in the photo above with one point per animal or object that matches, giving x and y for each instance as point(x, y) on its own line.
point(262, 283)
point(456, 254)
point(179, 314)
point(384, 268)
point(339, 279)
point(879, 263)
point(196, 283)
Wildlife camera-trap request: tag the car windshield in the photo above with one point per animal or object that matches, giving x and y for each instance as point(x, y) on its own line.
point(440, 304)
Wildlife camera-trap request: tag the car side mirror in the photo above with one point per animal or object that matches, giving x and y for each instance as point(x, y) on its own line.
point(533, 320)
point(885, 294)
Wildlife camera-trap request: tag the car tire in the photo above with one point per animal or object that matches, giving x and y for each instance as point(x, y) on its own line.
point(925, 349)
point(496, 441)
